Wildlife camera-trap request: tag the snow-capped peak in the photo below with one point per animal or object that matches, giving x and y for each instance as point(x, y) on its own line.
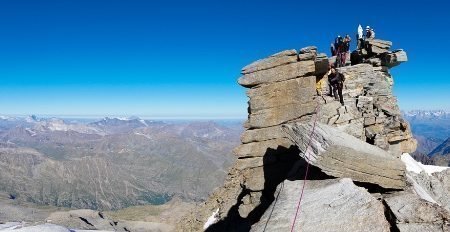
point(31, 119)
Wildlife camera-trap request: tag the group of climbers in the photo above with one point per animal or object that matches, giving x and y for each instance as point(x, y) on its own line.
point(340, 48)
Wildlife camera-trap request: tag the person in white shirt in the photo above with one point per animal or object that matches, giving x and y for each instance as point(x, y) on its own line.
point(360, 37)
point(372, 33)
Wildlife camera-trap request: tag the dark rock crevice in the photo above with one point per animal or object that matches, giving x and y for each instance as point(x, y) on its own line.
point(374, 188)
point(390, 217)
point(86, 221)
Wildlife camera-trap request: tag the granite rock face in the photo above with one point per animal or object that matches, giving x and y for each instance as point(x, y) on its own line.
point(291, 87)
point(87, 220)
point(331, 205)
point(413, 214)
point(377, 46)
point(437, 185)
point(339, 154)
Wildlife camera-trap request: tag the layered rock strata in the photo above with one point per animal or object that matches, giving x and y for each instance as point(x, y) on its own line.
point(339, 154)
point(291, 87)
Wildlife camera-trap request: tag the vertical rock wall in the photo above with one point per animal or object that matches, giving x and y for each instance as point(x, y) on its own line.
point(290, 87)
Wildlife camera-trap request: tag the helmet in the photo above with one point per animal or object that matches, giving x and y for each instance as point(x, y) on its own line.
point(368, 27)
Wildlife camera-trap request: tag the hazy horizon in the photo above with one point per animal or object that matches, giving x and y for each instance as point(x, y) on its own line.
point(152, 117)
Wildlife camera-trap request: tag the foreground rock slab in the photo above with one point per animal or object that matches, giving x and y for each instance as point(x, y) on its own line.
point(413, 214)
point(85, 219)
point(437, 185)
point(327, 205)
point(341, 155)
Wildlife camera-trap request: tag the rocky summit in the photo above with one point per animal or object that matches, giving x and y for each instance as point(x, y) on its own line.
point(361, 177)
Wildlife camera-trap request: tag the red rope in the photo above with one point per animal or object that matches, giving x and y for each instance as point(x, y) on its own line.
point(307, 169)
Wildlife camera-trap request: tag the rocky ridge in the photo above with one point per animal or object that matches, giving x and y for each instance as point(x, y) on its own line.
point(360, 144)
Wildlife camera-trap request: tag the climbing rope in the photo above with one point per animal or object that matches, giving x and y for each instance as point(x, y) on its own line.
point(307, 167)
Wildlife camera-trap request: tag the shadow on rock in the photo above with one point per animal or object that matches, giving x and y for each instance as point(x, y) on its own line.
point(279, 165)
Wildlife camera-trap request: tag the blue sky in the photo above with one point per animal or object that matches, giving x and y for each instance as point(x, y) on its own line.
point(182, 58)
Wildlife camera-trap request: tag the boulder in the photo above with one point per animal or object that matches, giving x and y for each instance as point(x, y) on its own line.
point(85, 219)
point(278, 59)
point(279, 73)
point(306, 56)
point(341, 155)
point(309, 49)
point(413, 214)
point(395, 58)
point(377, 46)
point(329, 110)
point(327, 205)
point(437, 185)
point(249, 202)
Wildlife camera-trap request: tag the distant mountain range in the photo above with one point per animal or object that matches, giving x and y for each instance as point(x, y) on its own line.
point(441, 154)
point(432, 131)
point(114, 162)
point(426, 114)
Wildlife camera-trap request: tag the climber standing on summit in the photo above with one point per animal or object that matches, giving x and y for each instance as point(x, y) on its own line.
point(360, 37)
point(336, 81)
point(368, 34)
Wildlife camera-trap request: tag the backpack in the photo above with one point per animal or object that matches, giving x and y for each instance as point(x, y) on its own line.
point(342, 77)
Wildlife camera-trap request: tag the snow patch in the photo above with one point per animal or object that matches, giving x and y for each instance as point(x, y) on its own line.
point(211, 220)
point(143, 122)
point(31, 132)
point(420, 190)
point(146, 136)
point(417, 167)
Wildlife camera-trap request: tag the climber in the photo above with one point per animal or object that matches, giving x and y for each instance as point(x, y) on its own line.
point(368, 36)
point(347, 41)
point(336, 81)
point(340, 52)
point(333, 50)
point(359, 37)
point(372, 33)
point(336, 44)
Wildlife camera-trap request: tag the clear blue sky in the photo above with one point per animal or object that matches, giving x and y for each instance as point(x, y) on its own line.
point(182, 58)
